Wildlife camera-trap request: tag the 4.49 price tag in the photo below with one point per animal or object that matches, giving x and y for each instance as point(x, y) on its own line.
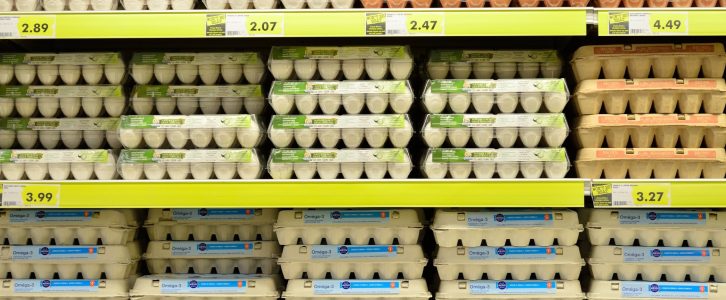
point(30, 195)
point(31, 26)
point(648, 23)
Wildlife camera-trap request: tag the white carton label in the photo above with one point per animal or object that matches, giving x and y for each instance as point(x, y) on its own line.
point(54, 286)
point(672, 290)
point(53, 252)
point(232, 214)
point(350, 251)
point(666, 254)
point(356, 287)
point(662, 217)
point(346, 216)
point(508, 219)
point(512, 287)
point(511, 253)
point(211, 248)
point(203, 286)
point(40, 216)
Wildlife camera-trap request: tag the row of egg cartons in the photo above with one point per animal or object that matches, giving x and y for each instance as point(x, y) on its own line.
point(70, 68)
point(394, 163)
point(192, 100)
point(154, 5)
point(205, 68)
point(65, 133)
point(67, 101)
point(488, 64)
point(487, 163)
point(659, 4)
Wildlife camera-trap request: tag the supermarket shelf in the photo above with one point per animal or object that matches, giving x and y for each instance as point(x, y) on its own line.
point(675, 193)
point(664, 21)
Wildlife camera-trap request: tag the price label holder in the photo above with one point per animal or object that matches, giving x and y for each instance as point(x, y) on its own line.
point(246, 25)
point(647, 23)
point(631, 194)
point(31, 195)
point(405, 24)
point(30, 26)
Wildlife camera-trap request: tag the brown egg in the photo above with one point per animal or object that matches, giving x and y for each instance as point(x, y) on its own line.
point(579, 3)
point(722, 3)
point(397, 3)
point(554, 3)
point(706, 3)
point(634, 3)
point(500, 3)
point(658, 3)
point(480, 3)
point(421, 3)
point(608, 3)
point(450, 3)
point(682, 3)
point(372, 3)
point(528, 3)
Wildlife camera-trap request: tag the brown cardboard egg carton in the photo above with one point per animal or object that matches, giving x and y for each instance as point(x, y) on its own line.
point(519, 262)
point(356, 289)
point(510, 289)
point(641, 163)
point(613, 290)
point(246, 257)
point(388, 261)
point(643, 96)
point(638, 59)
point(54, 289)
point(206, 224)
point(203, 287)
point(658, 3)
point(643, 131)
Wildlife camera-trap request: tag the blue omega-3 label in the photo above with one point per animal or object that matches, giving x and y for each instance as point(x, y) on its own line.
point(39, 216)
point(674, 290)
point(53, 252)
point(666, 254)
point(662, 217)
point(348, 251)
point(211, 214)
point(356, 287)
point(202, 286)
point(45, 285)
point(211, 248)
point(512, 287)
point(346, 216)
point(508, 219)
point(504, 253)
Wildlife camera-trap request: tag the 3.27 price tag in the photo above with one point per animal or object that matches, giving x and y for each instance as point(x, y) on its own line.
point(31, 195)
point(31, 26)
point(631, 194)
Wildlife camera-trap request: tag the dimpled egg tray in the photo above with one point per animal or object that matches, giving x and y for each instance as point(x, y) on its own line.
point(111, 262)
point(332, 163)
point(644, 131)
point(506, 163)
point(57, 164)
point(239, 4)
point(659, 3)
point(190, 68)
point(206, 224)
point(648, 227)
point(195, 286)
point(306, 131)
point(664, 59)
point(74, 5)
point(644, 163)
point(55, 289)
point(29, 68)
point(247, 257)
point(614, 290)
point(357, 226)
point(509, 289)
point(356, 289)
point(474, 227)
point(486, 64)
point(317, 261)
point(191, 100)
point(64, 100)
point(69, 133)
point(642, 96)
point(201, 164)
point(158, 5)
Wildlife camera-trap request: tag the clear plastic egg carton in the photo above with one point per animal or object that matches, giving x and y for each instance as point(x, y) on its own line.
point(506, 163)
point(195, 286)
point(70, 68)
point(515, 3)
point(519, 262)
point(191, 68)
point(206, 224)
point(62, 101)
point(648, 227)
point(73, 289)
point(510, 289)
point(332, 63)
point(57, 164)
point(481, 130)
point(356, 289)
point(69, 133)
point(658, 3)
point(615, 290)
point(77, 5)
point(203, 131)
point(245, 257)
point(357, 226)
point(306, 131)
point(201, 164)
point(239, 4)
point(508, 95)
point(331, 163)
point(66, 262)
point(355, 97)
point(638, 59)
point(643, 96)
point(317, 261)
point(191, 100)
point(473, 228)
point(644, 163)
point(486, 64)
point(158, 5)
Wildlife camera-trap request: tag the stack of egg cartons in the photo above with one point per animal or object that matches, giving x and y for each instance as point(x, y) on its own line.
point(68, 254)
point(673, 254)
point(217, 253)
point(193, 130)
point(58, 5)
point(502, 121)
point(352, 254)
point(508, 254)
point(658, 112)
point(325, 126)
point(157, 5)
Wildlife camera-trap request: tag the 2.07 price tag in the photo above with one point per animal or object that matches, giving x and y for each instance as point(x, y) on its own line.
point(631, 194)
point(261, 24)
point(31, 195)
point(31, 26)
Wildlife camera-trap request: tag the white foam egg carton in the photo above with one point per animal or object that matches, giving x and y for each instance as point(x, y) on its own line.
point(204, 257)
point(71, 289)
point(614, 290)
point(460, 130)
point(333, 63)
point(78, 5)
point(206, 224)
point(239, 4)
point(519, 262)
point(504, 96)
point(57, 164)
point(192, 99)
point(495, 227)
point(317, 261)
point(158, 5)
point(354, 96)
point(507, 163)
point(63, 100)
point(201, 164)
point(195, 286)
point(111, 262)
point(191, 68)
point(203, 131)
point(510, 289)
point(356, 289)
point(71, 133)
point(287, 131)
point(359, 226)
point(394, 163)
point(648, 227)
point(643, 163)
point(486, 64)
point(639, 59)
point(94, 68)
point(642, 96)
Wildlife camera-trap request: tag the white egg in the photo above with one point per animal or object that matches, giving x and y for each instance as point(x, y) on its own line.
point(353, 103)
point(306, 103)
point(93, 138)
point(113, 139)
point(48, 106)
point(155, 171)
point(142, 74)
point(36, 171)
point(202, 171)
point(377, 103)
point(70, 74)
point(329, 103)
point(484, 169)
point(106, 170)
point(482, 136)
point(132, 171)
point(114, 72)
point(232, 73)
point(254, 72)
point(104, 5)
point(7, 72)
point(59, 171)
point(281, 69)
point(282, 104)
point(401, 68)
point(352, 170)
point(142, 105)
point(232, 105)
point(280, 171)
point(164, 74)
point(556, 169)
point(114, 106)
point(342, 4)
point(531, 102)
point(353, 137)
point(177, 170)
point(459, 103)
point(505, 70)
point(551, 69)
point(224, 137)
point(437, 70)
point(187, 74)
point(27, 138)
point(79, 5)
point(305, 137)
point(401, 103)
point(7, 138)
point(306, 68)
point(134, 4)
point(70, 106)
point(435, 170)
point(71, 138)
point(250, 170)
point(130, 138)
point(507, 102)
point(328, 170)
point(460, 70)
point(530, 136)
point(293, 4)
point(187, 105)
point(254, 105)
point(92, 74)
point(555, 136)
point(304, 170)
point(376, 137)
point(249, 137)
point(157, 5)
point(483, 102)
point(353, 68)
point(532, 170)
point(7, 107)
point(92, 106)
point(182, 4)
point(239, 4)
point(434, 137)
point(25, 74)
point(555, 102)
point(54, 5)
point(49, 139)
point(376, 68)
point(399, 170)
point(154, 138)
point(435, 103)
point(224, 171)
point(375, 170)
point(329, 68)
point(281, 138)
point(48, 74)
point(201, 137)
point(177, 137)
point(460, 170)
point(528, 70)
point(82, 170)
point(165, 105)
point(506, 137)
point(318, 4)
point(329, 137)
point(401, 136)
point(507, 170)
point(216, 4)
point(459, 137)
point(13, 171)
point(210, 105)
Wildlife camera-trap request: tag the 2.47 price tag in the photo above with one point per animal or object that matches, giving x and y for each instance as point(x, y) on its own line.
point(405, 24)
point(30, 195)
point(31, 26)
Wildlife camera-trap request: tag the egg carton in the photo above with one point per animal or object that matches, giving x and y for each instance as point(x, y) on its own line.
point(510, 289)
point(486, 64)
point(332, 63)
point(510, 95)
point(613, 290)
point(356, 289)
point(460, 130)
point(316, 261)
point(115, 262)
point(643, 96)
point(519, 262)
point(658, 3)
point(12, 289)
point(91, 133)
point(329, 130)
point(47, 68)
point(204, 257)
point(648, 227)
point(68, 235)
point(63, 100)
point(239, 4)
point(206, 224)
point(202, 164)
point(458, 163)
point(496, 227)
point(194, 286)
point(191, 100)
point(331, 163)
point(190, 68)
point(644, 163)
point(359, 226)
point(515, 3)
point(57, 164)
point(318, 4)
point(78, 5)
point(61, 218)
point(638, 59)
point(158, 5)
point(162, 131)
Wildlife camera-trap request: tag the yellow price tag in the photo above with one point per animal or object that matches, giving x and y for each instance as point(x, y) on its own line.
point(30, 195)
point(425, 23)
point(38, 26)
point(651, 194)
point(663, 22)
point(266, 24)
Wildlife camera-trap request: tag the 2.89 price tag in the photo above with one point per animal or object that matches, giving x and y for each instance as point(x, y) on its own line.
point(31, 26)
point(30, 195)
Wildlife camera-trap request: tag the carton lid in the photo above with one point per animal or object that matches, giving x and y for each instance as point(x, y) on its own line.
point(510, 289)
point(115, 254)
point(70, 217)
point(352, 253)
point(650, 255)
point(195, 285)
point(605, 289)
point(349, 217)
point(597, 51)
point(594, 86)
point(653, 154)
point(237, 216)
point(528, 255)
point(208, 249)
point(661, 218)
point(414, 288)
point(681, 120)
point(492, 219)
point(55, 288)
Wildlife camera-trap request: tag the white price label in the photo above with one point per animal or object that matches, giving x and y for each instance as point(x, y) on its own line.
point(405, 24)
point(263, 24)
point(31, 195)
point(30, 26)
point(648, 23)
point(641, 194)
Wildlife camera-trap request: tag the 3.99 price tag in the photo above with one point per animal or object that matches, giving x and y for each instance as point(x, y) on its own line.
point(31, 26)
point(631, 194)
point(30, 195)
